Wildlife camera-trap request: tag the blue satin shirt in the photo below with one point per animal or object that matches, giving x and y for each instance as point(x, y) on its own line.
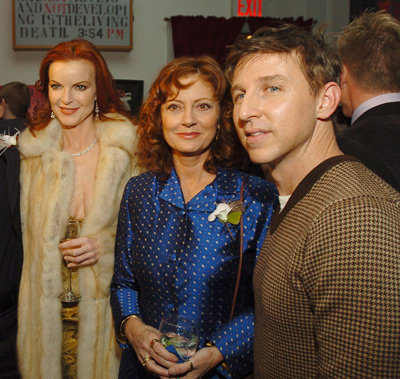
point(170, 258)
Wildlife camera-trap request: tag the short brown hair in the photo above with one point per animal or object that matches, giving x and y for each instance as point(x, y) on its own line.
point(18, 98)
point(317, 59)
point(153, 152)
point(370, 48)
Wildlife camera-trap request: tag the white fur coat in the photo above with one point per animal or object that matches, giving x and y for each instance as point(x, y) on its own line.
point(47, 182)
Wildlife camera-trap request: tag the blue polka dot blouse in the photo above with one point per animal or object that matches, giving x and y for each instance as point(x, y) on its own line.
point(170, 258)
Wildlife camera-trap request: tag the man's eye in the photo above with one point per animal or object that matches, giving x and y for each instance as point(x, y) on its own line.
point(273, 89)
point(238, 97)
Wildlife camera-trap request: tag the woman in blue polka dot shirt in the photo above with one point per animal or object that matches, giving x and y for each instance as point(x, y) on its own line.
point(171, 256)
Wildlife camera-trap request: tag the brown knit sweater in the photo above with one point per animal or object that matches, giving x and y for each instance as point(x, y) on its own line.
point(327, 281)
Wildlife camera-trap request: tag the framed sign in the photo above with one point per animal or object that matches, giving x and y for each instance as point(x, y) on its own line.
point(42, 24)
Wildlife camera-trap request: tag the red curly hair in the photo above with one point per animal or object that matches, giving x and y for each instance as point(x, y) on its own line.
point(78, 49)
point(153, 152)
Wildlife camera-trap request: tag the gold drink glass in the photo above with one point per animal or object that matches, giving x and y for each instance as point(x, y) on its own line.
point(72, 231)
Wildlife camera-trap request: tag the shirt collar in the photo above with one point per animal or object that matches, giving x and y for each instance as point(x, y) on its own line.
point(225, 187)
point(283, 201)
point(374, 102)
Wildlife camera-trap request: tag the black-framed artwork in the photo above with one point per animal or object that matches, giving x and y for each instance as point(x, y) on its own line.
point(42, 24)
point(357, 7)
point(131, 93)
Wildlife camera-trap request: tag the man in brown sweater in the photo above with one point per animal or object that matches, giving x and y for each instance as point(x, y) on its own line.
point(327, 281)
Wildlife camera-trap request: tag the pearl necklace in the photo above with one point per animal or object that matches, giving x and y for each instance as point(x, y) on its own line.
point(90, 147)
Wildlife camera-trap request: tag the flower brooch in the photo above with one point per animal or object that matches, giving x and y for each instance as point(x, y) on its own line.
point(229, 212)
point(7, 140)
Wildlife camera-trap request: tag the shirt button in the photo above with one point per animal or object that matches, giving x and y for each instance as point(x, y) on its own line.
point(172, 258)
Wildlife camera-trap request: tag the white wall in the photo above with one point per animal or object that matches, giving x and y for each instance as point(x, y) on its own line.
point(150, 40)
point(152, 36)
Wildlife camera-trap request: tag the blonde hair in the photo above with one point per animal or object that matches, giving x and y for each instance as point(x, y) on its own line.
point(370, 49)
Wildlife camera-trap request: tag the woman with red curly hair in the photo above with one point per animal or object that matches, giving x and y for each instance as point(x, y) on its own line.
point(77, 157)
point(172, 255)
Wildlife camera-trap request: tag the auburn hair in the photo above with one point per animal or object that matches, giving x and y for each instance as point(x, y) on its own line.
point(153, 152)
point(108, 100)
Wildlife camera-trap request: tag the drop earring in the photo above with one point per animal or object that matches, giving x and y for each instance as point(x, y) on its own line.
point(217, 134)
point(52, 115)
point(96, 109)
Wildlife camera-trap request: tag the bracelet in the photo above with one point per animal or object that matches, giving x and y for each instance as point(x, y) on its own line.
point(224, 365)
point(121, 335)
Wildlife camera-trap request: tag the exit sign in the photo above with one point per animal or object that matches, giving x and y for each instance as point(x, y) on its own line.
point(252, 8)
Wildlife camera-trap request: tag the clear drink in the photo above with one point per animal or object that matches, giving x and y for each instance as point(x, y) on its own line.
point(180, 332)
point(185, 345)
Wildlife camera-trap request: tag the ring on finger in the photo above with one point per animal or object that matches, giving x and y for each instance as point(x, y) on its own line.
point(191, 364)
point(153, 342)
point(146, 360)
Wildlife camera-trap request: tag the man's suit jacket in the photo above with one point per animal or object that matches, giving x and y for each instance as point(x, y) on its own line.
point(12, 163)
point(374, 138)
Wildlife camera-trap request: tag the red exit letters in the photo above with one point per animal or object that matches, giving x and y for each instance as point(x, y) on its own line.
point(250, 8)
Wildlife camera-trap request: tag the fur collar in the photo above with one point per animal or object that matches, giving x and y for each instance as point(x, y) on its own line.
point(49, 139)
point(47, 184)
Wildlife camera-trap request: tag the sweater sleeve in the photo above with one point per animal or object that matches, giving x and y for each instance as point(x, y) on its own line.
point(352, 276)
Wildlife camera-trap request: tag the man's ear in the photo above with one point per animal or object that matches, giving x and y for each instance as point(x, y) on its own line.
point(344, 77)
point(2, 108)
point(329, 100)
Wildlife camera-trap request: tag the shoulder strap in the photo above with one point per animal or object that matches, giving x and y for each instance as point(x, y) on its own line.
point(240, 254)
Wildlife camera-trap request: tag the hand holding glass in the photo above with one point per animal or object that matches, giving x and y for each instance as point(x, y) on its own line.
point(72, 231)
point(180, 332)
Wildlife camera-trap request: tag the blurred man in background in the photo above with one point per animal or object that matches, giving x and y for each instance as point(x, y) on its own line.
point(370, 85)
point(14, 104)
